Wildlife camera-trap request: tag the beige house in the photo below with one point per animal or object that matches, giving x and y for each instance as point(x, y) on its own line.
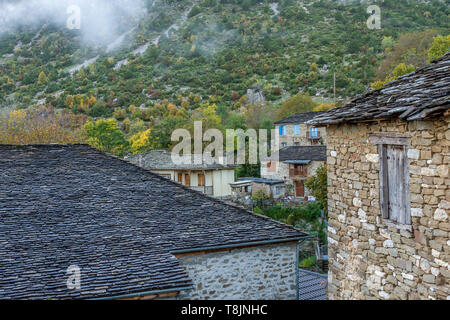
point(211, 179)
point(294, 131)
point(294, 165)
point(389, 195)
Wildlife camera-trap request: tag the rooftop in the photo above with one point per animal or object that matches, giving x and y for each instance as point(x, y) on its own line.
point(162, 160)
point(417, 95)
point(299, 118)
point(64, 205)
point(260, 180)
point(300, 154)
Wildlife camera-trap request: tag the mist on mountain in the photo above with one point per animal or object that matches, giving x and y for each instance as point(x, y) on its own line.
point(101, 21)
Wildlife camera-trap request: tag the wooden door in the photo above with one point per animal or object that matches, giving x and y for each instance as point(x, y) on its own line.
point(180, 177)
point(299, 189)
point(187, 180)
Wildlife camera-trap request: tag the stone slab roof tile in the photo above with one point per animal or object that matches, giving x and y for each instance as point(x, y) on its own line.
point(300, 118)
point(296, 153)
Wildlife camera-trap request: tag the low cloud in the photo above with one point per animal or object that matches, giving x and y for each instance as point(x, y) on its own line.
point(100, 19)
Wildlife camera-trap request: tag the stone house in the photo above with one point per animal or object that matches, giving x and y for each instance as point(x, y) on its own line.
point(244, 190)
point(388, 189)
point(212, 179)
point(81, 224)
point(294, 165)
point(295, 131)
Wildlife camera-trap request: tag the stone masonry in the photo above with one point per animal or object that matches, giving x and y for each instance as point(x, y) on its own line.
point(369, 259)
point(255, 273)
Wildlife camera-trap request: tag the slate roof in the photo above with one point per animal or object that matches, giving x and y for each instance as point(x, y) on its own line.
point(299, 118)
point(292, 153)
point(162, 160)
point(74, 205)
point(418, 95)
point(261, 180)
point(312, 285)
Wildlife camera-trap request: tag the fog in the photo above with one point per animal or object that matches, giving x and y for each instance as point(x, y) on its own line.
point(100, 19)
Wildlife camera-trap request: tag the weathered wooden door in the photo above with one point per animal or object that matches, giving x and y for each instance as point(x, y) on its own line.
point(299, 189)
point(396, 183)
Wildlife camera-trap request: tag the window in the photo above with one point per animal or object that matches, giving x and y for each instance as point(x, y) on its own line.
point(283, 144)
point(201, 180)
point(282, 130)
point(394, 178)
point(297, 129)
point(314, 132)
point(300, 170)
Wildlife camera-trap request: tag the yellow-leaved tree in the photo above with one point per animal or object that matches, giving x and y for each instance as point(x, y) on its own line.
point(140, 142)
point(41, 125)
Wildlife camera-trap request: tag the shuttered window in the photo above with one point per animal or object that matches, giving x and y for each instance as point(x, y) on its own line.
point(201, 180)
point(395, 204)
point(297, 129)
point(394, 183)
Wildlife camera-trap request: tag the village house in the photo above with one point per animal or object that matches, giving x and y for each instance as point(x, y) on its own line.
point(295, 131)
point(212, 179)
point(245, 190)
point(71, 212)
point(388, 190)
point(294, 165)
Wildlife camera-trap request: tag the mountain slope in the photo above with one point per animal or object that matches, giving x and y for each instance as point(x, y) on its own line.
point(209, 50)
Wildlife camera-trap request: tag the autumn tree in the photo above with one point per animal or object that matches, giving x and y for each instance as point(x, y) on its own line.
point(410, 49)
point(299, 103)
point(42, 78)
point(106, 136)
point(439, 47)
point(41, 125)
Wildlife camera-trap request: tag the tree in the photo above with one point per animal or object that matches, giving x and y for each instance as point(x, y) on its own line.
point(318, 184)
point(41, 125)
point(140, 142)
point(42, 78)
point(410, 49)
point(299, 103)
point(398, 71)
point(439, 47)
point(106, 136)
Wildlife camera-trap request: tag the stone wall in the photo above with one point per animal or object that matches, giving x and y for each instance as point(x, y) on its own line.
point(263, 272)
point(368, 259)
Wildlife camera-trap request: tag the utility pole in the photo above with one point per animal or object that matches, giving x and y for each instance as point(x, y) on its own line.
point(334, 87)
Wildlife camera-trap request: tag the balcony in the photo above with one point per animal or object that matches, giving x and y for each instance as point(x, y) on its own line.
point(314, 135)
point(208, 190)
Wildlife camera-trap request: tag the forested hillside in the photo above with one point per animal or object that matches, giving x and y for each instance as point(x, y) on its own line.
point(209, 59)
